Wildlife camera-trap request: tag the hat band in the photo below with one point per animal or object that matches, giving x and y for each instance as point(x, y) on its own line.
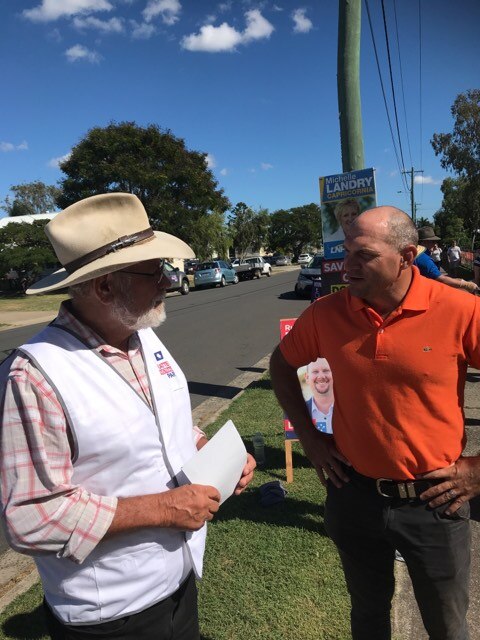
point(111, 247)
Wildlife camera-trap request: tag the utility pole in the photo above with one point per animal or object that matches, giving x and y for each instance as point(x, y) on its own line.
point(348, 84)
point(413, 207)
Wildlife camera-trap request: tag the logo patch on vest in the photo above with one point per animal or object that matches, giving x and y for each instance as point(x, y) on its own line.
point(158, 355)
point(166, 369)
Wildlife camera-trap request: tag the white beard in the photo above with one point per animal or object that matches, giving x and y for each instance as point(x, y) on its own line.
point(121, 310)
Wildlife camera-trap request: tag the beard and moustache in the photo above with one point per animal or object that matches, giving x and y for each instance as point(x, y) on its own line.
point(122, 309)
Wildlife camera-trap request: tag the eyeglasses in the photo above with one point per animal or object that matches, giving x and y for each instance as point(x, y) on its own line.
point(159, 273)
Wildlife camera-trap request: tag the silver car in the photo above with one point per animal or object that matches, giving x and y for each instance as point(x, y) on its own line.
point(213, 272)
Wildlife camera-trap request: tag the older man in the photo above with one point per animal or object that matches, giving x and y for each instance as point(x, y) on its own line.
point(398, 345)
point(96, 423)
point(319, 379)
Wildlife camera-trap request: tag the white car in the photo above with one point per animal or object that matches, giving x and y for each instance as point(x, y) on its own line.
point(304, 258)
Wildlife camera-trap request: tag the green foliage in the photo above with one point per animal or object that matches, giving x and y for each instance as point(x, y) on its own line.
point(31, 198)
point(248, 228)
point(460, 150)
point(25, 247)
point(296, 230)
point(423, 222)
point(212, 236)
point(174, 184)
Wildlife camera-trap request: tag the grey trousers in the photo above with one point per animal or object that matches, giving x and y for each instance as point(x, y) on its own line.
point(367, 528)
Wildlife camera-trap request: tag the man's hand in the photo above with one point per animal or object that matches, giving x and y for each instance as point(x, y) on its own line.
point(320, 449)
point(247, 475)
point(460, 482)
point(188, 508)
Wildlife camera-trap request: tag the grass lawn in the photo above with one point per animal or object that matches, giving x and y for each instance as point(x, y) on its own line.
point(20, 302)
point(270, 573)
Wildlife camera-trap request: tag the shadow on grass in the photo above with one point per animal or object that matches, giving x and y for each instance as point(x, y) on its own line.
point(27, 626)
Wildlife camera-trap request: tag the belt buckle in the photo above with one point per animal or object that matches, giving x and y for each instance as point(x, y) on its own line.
point(379, 486)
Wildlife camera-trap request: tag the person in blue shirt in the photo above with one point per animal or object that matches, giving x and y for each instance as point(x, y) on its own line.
point(427, 267)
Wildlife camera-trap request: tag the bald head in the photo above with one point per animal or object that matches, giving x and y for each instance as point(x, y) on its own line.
point(389, 224)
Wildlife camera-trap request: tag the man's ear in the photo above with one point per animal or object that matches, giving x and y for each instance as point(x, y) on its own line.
point(408, 256)
point(103, 288)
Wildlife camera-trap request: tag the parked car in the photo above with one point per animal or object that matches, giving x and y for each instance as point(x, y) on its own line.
point(304, 258)
point(190, 266)
point(313, 271)
point(282, 261)
point(214, 272)
point(178, 279)
point(261, 266)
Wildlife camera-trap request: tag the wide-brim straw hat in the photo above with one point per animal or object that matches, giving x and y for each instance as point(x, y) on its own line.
point(102, 234)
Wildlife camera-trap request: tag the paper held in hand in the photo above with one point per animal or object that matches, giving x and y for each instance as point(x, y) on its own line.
point(219, 463)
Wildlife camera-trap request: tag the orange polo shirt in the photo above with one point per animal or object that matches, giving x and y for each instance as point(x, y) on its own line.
point(398, 383)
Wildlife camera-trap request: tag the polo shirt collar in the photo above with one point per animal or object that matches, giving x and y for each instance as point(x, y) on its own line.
point(416, 299)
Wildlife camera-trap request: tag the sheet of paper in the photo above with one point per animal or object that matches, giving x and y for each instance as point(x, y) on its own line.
point(219, 463)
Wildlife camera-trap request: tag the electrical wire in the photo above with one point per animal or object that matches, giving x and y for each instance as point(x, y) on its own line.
point(420, 85)
point(401, 82)
point(391, 82)
point(404, 182)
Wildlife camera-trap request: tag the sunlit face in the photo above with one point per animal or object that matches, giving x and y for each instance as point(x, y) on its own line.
point(347, 215)
point(140, 295)
point(319, 377)
point(372, 265)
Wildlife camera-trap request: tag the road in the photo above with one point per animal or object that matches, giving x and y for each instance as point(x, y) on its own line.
point(214, 334)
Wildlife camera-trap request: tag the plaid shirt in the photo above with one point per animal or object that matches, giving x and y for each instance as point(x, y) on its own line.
point(44, 511)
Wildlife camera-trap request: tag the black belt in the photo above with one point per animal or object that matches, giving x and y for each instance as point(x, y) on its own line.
point(403, 490)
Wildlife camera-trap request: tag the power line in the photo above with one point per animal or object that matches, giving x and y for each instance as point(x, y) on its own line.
point(391, 82)
point(404, 181)
point(420, 84)
point(401, 81)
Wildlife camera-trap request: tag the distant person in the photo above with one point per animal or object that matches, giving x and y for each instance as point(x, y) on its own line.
point(424, 261)
point(454, 256)
point(320, 382)
point(346, 211)
point(436, 254)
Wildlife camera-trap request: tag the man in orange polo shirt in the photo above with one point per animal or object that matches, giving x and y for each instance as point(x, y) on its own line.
point(398, 345)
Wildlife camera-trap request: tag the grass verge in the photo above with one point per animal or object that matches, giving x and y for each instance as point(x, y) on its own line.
point(269, 572)
point(20, 302)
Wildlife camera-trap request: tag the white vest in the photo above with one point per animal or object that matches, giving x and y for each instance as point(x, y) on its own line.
point(123, 449)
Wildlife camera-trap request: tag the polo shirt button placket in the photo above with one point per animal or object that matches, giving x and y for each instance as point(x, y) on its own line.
point(379, 351)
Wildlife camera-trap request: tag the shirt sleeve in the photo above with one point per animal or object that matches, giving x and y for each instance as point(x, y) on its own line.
point(427, 267)
point(43, 510)
point(301, 345)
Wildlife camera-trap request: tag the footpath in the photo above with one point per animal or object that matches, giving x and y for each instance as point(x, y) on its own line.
point(18, 573)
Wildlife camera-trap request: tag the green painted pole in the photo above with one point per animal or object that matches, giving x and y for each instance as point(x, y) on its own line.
point(348, 84)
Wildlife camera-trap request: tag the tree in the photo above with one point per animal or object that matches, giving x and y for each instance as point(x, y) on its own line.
point(25, 247)
point(423, 222)
point(460, 150)
point(296, 230)
point(31, 198)
point(212, 236)
point(175, 185)
point(248, 228)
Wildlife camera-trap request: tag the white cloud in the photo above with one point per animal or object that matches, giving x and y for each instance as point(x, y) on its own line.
point(223, 172)
point(55, 36)
point(51, 10)
point(210, 19)
point(265, 166)
point(168, 10)
point(9, 146)
point(426, 180)
point(114, 25)
point(223, 7)
point(55, 162)
point(302, 23)
point(258, 27)
point(277, 8)
point(392, 174)
point(142, 30)
point(226, 38)
point(210, 160)
point(213, 39)
point(79, 52)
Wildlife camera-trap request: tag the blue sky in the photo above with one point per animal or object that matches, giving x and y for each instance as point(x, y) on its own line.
point(253, 84)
